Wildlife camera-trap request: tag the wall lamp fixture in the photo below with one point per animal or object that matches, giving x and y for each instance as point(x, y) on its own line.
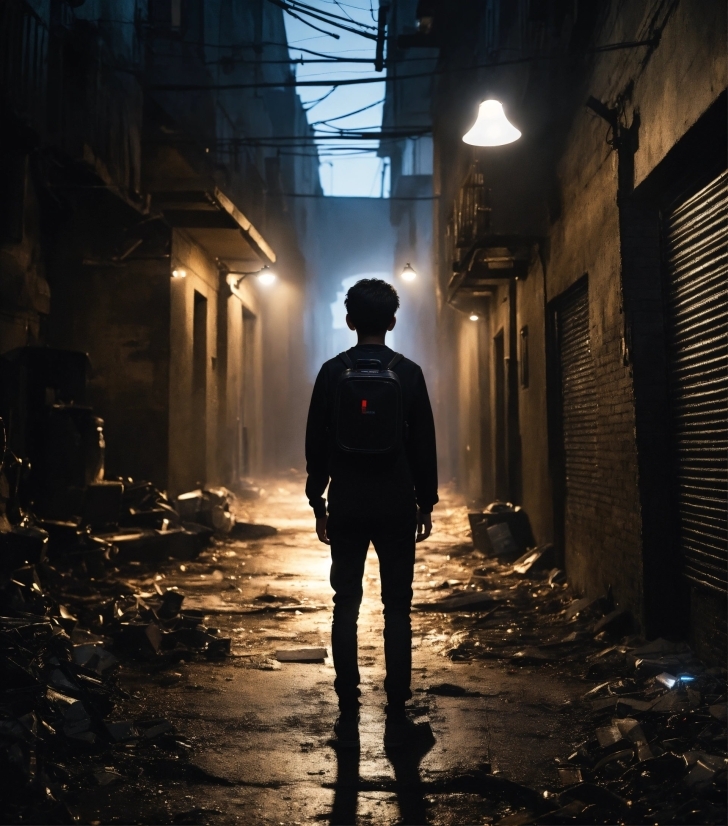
point(474, 316)
point(492, 127)
point(179, 273)
point(265, 276)
point(408, 272)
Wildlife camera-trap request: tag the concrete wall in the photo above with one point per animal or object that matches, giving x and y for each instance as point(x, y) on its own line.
point(533, 401)
point(193, 428)
point(599, 223)
point(664, 92)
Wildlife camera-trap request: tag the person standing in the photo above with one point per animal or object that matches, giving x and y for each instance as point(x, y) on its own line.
point(370, 437)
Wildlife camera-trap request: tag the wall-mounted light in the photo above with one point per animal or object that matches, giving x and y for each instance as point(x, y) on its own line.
point(265, 276)
point(179, 273)
point(408, 273)
point(492, 127)
point(474, 316)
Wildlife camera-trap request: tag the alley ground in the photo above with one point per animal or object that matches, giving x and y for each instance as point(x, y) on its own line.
point(260, 730)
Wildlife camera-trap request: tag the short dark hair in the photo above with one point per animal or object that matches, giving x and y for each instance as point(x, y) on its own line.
point(371, 304)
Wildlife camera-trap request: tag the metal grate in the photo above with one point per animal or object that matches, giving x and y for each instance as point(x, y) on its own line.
point(471, 215)
point(579, 401)
point(23, 61)
point(697, 270)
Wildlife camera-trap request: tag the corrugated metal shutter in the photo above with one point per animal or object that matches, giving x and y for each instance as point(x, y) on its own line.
point(697, 270)
point(579, 400)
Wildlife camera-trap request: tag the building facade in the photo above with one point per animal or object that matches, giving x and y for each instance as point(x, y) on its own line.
point(140, 198)
point(590, 255)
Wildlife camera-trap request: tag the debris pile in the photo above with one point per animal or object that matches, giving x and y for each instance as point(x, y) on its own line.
point(67, 622)
point(658, 715)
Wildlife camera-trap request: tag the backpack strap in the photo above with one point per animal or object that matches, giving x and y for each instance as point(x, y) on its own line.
point(396, 360)
point(347, 361)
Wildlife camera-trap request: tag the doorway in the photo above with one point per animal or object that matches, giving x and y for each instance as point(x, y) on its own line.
point(573, 414)
point(695, 258)
point(198, 444)
point(501, 434)
point(248, 400)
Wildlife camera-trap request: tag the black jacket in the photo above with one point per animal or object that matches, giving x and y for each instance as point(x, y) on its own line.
point(372, 484)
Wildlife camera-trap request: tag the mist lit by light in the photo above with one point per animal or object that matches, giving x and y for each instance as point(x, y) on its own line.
point(344, 337)
point(266, 278)
point(408, 273)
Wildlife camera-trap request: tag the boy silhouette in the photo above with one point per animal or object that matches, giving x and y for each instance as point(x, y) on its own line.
point(386, 500)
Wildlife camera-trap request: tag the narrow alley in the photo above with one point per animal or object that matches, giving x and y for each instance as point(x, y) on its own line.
point(429, 295)
point(263, 728)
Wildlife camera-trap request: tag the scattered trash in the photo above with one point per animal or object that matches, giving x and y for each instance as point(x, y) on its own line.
point(519, 529)
point(209, 507)
point(569, 777)
point(501, 540)
point(537, 559)
point(470, 602)
point(451, 690)
point(617, 623)
point(301, 655)
point(247, 530)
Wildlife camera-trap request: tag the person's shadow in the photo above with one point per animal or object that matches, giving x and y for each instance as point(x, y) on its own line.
point(408, 784)
point(346, 789)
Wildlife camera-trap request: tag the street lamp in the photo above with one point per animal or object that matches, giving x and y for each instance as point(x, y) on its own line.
point(408, 273)
point(492, 127)
point(473, 316)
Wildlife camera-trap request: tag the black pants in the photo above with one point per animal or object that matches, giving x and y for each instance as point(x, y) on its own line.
point(394, 542)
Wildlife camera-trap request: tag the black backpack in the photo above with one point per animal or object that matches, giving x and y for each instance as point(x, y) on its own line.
point(368, 410)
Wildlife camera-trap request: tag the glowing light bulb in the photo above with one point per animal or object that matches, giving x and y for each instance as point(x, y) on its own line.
point(266, 278)
point(179, 273)
point(473, 317)
point(408, 273)
point(492, 127)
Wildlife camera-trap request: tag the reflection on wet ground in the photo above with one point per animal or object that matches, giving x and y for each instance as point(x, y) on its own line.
point(503, 688)
point(264, 726)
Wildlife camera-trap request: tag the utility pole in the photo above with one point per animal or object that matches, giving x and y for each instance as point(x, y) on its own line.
point(381, 31)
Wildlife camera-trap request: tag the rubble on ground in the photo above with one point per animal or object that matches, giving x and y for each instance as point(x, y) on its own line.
point(69, 618)
point(657, 753)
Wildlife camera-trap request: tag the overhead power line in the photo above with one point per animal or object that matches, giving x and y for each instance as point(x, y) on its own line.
point(191, 87)
point(311, 25)
point(297, 9)
point(326, 15)
point(348, 114)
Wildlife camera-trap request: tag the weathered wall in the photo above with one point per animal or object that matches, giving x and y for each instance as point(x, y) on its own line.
point(585, 221)
point(123, 325)
point(239, 446)
point(192, 428)
point(663, 92)
point(537, 493)
point(24, 291)
point(469, 409)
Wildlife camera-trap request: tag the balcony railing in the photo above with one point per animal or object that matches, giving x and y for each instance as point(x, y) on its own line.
point(471, 214)
point(23, 62)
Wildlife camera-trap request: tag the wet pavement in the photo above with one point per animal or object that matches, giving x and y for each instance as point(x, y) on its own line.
point(253, 734)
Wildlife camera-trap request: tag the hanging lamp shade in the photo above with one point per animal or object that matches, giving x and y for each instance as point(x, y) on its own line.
point(492, 127)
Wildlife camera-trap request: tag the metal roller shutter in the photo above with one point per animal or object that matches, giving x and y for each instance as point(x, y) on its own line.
point(579, 400)
point(696, 235)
